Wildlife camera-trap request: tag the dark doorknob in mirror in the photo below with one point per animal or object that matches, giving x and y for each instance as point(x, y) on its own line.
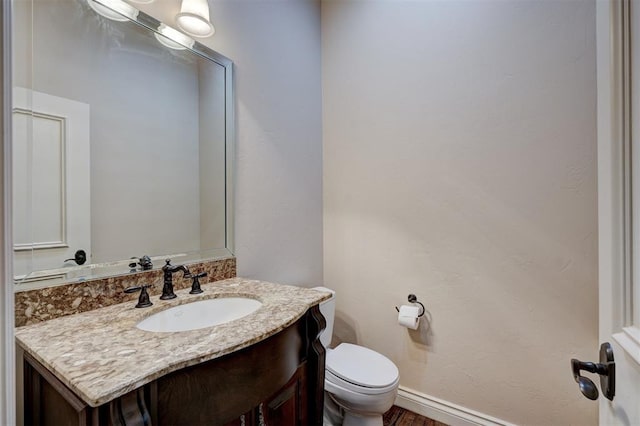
point(80, 257)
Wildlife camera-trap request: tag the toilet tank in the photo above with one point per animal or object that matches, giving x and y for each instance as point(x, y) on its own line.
point(328, 309)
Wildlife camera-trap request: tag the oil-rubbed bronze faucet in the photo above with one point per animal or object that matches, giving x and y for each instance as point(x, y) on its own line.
point(168, 270)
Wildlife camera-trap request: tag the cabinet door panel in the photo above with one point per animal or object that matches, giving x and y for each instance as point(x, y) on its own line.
point(287, 406)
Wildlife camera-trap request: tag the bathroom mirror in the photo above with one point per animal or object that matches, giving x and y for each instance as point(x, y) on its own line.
point(122, 143)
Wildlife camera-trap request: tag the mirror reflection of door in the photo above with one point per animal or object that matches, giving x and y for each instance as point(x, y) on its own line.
point(51, 175)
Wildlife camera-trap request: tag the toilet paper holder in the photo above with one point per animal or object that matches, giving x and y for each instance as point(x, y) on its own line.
point(413, 299)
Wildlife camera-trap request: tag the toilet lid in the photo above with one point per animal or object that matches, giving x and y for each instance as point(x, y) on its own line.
point(361, 366)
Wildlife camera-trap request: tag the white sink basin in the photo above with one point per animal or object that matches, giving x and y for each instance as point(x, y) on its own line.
point(201, 314)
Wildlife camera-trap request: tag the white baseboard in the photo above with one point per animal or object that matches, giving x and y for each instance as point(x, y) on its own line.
point(443, 411)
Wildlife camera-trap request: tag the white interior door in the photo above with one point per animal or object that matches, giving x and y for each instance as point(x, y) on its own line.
point(51, 177)
point(618, 44)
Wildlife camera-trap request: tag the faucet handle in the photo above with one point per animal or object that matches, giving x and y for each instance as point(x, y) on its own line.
point(143, 300)
point(195, 284)
point(145, 263)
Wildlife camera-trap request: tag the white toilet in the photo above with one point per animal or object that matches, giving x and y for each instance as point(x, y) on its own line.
point(360, 384)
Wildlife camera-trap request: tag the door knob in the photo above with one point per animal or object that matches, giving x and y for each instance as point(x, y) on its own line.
point(606, 368)
point(80, 257)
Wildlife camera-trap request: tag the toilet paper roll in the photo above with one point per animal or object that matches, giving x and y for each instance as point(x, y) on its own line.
point(408, 316)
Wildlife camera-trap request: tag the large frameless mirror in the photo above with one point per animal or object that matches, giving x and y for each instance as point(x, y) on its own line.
point(122, 136)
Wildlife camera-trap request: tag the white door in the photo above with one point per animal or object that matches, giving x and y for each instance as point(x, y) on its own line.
point(51, 176)
point(618, 43)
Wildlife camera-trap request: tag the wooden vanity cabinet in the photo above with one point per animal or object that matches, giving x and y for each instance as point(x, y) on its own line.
point(286, 407)
point(278, 381)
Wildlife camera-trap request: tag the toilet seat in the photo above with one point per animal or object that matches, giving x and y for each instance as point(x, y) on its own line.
point(361, 370)
point(332, 380)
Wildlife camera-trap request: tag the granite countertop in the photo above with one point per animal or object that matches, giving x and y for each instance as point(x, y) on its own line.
point(101, 355)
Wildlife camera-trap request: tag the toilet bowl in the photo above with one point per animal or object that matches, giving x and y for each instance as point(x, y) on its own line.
point(360, 384)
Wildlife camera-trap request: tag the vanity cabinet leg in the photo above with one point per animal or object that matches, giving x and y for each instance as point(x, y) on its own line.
point(315, 365)
point(129, 410)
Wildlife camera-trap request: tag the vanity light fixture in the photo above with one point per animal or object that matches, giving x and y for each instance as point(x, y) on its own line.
point(193, 18)
point(116, 10)
point(172, 38)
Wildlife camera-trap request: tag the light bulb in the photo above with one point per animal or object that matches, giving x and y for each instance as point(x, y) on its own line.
point(173, 39)
point(116, 10)
point(193, 18)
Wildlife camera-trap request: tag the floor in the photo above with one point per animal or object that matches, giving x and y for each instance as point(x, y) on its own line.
point(397, 416)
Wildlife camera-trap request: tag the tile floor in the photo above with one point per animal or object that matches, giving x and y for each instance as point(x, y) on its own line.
point(397, 416)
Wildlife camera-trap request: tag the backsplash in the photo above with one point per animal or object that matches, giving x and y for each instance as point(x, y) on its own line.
point(43, 304)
